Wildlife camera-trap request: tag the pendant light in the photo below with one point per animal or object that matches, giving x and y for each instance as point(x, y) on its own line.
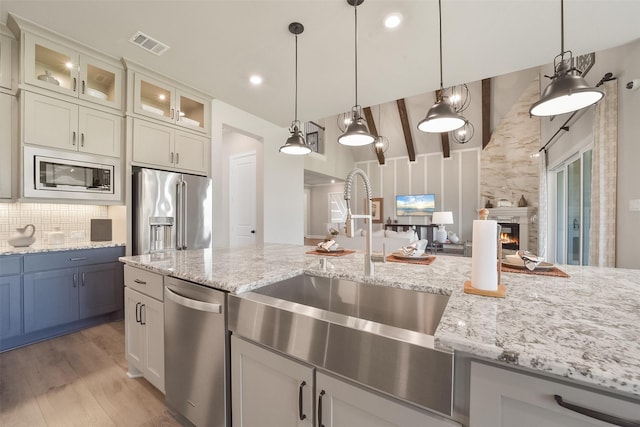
point(442, 116)
point(380, 143)
point(296, 144)
point(357, 133)
point(568, 90)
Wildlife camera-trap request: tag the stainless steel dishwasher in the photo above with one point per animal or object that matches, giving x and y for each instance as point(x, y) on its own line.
point(196, 348)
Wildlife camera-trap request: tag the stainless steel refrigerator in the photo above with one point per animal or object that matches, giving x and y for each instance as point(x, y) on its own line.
point(170, 211)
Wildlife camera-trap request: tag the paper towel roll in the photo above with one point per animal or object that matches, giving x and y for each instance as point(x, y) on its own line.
point(484, 258)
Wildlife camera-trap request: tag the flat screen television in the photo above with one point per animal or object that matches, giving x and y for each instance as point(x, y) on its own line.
point(415, 205)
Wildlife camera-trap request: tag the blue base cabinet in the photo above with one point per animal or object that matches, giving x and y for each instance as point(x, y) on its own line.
point(59, 292)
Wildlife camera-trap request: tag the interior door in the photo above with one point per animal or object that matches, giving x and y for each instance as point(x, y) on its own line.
point(242, 199)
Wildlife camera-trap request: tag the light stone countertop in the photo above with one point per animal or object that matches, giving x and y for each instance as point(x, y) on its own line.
point(43, 247)
point(584, 327)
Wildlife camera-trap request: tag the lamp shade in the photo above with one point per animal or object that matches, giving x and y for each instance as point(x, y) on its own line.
point(441, 218)
point(357, 134)
point(441, 117)
point(566, 93)
point(295, 144)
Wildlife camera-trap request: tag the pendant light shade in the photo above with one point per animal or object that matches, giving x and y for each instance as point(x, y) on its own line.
point(296, 144)
point(568, 91)
point(357, 133)
point(442, 116)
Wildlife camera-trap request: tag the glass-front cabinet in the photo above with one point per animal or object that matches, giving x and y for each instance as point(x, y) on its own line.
point(159, 100)
point(55, 67)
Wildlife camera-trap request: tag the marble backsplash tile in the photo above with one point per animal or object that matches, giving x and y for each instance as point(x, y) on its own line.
point(73, 220)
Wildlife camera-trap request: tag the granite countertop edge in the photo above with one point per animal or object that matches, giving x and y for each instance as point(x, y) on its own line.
point(6, 251)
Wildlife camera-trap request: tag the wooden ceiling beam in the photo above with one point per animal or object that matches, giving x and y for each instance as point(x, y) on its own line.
point(444, 136)
point(486, 112)
point(406, 130)
point(373, 131)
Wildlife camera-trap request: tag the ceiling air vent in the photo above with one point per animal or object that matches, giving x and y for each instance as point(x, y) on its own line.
point(147, 43)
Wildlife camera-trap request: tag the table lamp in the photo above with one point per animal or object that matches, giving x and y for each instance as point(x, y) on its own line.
point(441, 219)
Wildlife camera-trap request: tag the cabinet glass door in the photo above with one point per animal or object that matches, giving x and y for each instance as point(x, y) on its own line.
point(101, 83)
point(191, 112)
point(50, 66)
point(154, 99)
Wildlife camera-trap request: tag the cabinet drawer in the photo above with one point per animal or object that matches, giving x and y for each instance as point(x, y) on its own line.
point(10, 265)
point(64, 259)
point(148, 283)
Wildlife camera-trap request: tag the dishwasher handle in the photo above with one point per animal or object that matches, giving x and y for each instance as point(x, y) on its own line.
point(192, 303)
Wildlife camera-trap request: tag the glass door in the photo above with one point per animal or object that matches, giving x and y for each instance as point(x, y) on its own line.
point(100, 82)
point(50, 65)
point(154, 99)
point(573, 209)
point(192, 111)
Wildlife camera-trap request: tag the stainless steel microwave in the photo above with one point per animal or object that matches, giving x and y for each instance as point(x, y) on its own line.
point(57, 174)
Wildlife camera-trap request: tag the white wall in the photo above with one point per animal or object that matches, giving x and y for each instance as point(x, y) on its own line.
point(624, 63)
point(319, 207)
point(282, 186)
point(337, 159)
point(454, 181)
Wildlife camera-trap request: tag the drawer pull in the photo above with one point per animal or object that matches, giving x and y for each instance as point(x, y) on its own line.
point(78, 259)
point(140, 282)
point(595, 414)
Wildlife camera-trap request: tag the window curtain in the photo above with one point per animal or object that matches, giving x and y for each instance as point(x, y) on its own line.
point(602, 236)
point(543, 206)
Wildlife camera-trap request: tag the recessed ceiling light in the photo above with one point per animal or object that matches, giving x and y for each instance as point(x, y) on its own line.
point(333, 181)
point(255, 80)
point(393, 20)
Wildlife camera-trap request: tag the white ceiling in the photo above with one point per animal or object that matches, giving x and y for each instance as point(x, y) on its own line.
point(216, 45)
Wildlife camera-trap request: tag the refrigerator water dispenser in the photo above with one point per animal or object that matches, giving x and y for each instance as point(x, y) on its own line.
point(161, 233)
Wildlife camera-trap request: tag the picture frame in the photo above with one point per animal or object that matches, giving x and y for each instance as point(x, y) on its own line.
point(377, 213)
point(312, 141)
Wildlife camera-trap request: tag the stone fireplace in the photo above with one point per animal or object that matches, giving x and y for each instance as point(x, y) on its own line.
point(515, 224)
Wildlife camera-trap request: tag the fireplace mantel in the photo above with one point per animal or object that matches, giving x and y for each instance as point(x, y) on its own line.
point(525, 212)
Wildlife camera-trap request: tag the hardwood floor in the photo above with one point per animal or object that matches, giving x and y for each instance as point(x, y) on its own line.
point(77, 380)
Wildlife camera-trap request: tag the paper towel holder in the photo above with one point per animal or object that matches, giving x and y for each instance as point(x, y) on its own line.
point(501, 292)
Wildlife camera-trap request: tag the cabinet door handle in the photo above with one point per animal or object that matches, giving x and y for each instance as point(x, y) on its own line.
point(177, 158)
point(83, 279)
point(83, 87)
point(73, 138)
point(301, 413)
point(75, 280)
point(143, 321)
point(322, 393)
point(82, 139)
point(137, 315)
point(75, 84)
point(171, 161)
point(78, 259)
point(595, 414)
point(140, 282)
point(177, 115)
point(172, 111)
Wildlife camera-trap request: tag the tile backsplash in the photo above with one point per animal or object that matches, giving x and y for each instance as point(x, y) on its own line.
point(73, 220)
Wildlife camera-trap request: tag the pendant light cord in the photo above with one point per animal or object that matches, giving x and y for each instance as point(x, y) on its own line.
point(440, 27)
point(561, 27)
point(355, 14)
point(296, 91)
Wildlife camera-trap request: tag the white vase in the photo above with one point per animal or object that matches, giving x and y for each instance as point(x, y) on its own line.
point(441, 234)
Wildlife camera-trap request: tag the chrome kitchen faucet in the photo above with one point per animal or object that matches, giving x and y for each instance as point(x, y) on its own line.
point(368, 261)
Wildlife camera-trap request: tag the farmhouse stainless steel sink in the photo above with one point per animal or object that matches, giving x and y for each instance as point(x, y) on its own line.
point(378, 336)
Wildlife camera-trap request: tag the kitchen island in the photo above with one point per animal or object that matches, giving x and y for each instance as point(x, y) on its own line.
point(582, 328)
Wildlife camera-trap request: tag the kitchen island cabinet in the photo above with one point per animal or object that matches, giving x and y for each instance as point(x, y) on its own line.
point(580, 330)
point(54, 293)
point(271, 389)
point(144, 325)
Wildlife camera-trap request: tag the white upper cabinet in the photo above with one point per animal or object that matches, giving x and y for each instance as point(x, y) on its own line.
point(58, 124)
point(168, 103)
point(58, 68)
point(6, 55)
